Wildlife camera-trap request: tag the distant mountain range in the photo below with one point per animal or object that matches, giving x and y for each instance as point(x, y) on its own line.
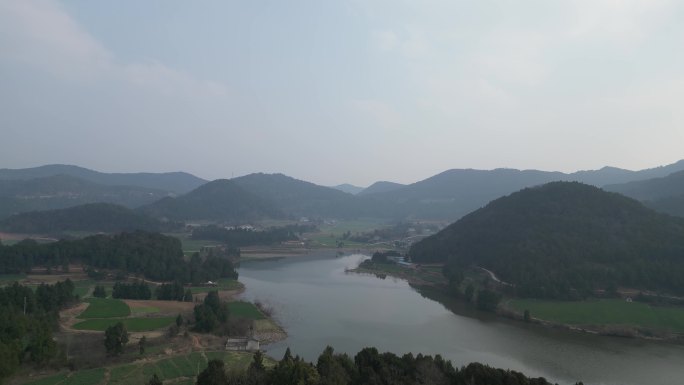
point(348, 188)
point(454, 193)
point(61, 191)
point(173, 182)
point(665, 194)
point(381, 187)
point(180, 196)
point(564, 240)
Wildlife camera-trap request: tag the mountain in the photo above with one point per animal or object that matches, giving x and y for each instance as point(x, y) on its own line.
point(381, 187)
point(94, 217)
point(564, 240)
point(612, 175)
point(665, 194)
point(348, 188)
point(61, 191)
point(175, 182)
point(652, 189)
point(454, 193)
point(220, 200)
point(299, 198)
point(673, 205)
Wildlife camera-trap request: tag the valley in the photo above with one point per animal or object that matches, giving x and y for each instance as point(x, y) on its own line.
point(564, 276)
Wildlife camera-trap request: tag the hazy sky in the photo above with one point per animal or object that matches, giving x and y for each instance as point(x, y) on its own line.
point(333, 91)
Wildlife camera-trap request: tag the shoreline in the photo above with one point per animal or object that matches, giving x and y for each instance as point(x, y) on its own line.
point(607, 330)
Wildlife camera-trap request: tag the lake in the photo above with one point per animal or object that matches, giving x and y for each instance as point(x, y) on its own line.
point(320, 304)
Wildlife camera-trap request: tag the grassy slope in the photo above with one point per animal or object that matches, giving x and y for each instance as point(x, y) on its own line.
point(245, 310)
point(604, 312)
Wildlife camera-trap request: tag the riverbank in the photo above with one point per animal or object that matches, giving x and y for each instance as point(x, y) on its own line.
point(606, 317)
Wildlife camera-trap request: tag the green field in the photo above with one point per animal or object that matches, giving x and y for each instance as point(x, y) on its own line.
point(245, 310)
point(330, 234)
point(145, 309)
point(140, 324)
point(604, 312)
point(105, 308)
point(190, 245)
point(178, 370)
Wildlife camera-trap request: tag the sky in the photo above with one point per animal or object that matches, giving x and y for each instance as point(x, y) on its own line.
point(341, 91)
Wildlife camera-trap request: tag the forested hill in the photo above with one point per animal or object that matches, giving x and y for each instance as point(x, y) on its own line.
point(300, 198)
point(565, 239)
point(94, 217)
point(381, 187)
point(61, 191)
point(176, 182)
point(220, 200)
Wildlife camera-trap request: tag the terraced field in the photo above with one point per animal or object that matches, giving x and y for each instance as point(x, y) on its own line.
point(105, 312)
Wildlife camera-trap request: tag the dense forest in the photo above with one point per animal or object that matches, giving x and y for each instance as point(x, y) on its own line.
point(219, 200)
point(134, 290)
point(94, 217)
point(368, 367)
point(27, 319)
point(565, 240)
point(237, 237)
point(154, 256)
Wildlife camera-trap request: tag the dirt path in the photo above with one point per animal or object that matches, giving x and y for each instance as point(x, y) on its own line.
point(494, 277)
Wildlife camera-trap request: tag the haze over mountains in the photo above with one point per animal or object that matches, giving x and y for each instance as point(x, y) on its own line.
point(174, 182)
point(181, 196)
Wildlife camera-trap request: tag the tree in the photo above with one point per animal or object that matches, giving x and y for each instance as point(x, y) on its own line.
point(9, 360)
point(99, 292)
point(469, 292)
point(141, 345)
point(116, 338)
point(154, 380)
point(187, 297)
point(487, 300)
point(214, 374)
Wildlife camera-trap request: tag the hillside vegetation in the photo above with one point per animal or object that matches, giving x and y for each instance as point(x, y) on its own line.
point(94, 217)
point(62, 191)
point(221, 200)
point(155, 256)
point(565, 240)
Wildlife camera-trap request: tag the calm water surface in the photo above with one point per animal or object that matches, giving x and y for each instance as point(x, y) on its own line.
point(319, 304)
